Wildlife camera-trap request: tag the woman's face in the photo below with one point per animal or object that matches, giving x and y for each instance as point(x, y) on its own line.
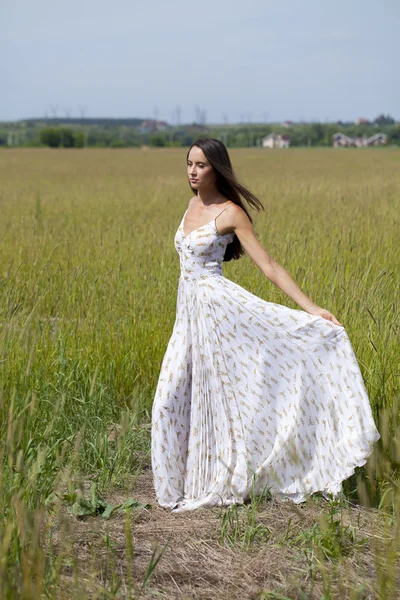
point(200, 172)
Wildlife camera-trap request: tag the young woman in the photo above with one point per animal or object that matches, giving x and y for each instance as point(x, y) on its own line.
point(251, 394)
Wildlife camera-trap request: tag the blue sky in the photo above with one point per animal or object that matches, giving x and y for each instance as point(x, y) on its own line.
point(254, 60)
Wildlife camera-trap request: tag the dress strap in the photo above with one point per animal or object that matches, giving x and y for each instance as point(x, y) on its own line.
point(215, 220)
point(224, 209)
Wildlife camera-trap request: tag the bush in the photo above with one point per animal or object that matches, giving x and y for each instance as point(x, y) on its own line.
point(67, 138)
point(79, 139)
point(116, 144)
point(50, 136)
point(61, 136)
point(157, 140)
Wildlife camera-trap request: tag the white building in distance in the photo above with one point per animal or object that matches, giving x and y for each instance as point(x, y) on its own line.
point(276, 140)
point(340, 140)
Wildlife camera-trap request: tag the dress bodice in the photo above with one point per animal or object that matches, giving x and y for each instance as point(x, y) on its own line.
point(202, 251)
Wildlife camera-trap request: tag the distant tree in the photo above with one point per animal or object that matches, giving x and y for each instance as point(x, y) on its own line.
point(394, 134)
point(117, 144)
point(50, 136)
point(318, 131)
point(79, 139)
point(61, 136)
point(384, 120)
point(67, 139)
point(157, 141)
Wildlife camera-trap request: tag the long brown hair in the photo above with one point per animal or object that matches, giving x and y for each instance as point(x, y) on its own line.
point(228, 185)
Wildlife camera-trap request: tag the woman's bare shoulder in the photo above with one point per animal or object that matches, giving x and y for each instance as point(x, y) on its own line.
point(236, 210)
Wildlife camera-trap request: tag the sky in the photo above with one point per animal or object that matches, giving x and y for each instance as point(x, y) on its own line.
point(228, 60)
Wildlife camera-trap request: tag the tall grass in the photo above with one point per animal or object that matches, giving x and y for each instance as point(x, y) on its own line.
point(88, 291)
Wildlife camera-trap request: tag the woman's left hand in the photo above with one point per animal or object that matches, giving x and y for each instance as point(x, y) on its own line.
point(321, 312)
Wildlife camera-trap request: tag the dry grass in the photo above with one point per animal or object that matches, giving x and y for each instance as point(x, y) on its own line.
point(198, 565)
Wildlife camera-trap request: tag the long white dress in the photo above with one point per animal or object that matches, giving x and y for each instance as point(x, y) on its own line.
point(251, 394)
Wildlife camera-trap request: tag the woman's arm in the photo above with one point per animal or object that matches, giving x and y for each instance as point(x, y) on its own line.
point(238, 221)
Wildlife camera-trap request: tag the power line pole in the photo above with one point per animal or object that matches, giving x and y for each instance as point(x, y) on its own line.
point(171, 116)
point(82, 109)
point(178, 115)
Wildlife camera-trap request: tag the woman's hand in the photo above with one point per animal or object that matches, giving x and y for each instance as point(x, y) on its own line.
point(321, 312)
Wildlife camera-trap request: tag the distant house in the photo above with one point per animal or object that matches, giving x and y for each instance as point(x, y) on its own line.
point(161, 125)
point(276, 140)
point(341, 140)
point(288, 123)
point(362, 121)
point(379, 139)
point(146, 126)
point(360, 141)
point(195, 127)
point(150, 125)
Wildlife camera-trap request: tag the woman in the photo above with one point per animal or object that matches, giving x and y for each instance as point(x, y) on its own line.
point(251, 394)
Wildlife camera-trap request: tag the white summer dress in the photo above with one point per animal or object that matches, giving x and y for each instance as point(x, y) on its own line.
point(251, 394)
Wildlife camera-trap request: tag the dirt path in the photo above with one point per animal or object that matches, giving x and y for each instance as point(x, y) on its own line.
point(197, 564)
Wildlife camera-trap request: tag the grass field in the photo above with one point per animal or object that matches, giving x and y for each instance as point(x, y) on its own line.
point(89, 277)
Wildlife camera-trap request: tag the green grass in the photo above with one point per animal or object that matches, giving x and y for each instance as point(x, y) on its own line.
point(88, 286)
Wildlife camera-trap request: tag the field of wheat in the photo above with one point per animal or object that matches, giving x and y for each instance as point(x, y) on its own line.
point(88, 286)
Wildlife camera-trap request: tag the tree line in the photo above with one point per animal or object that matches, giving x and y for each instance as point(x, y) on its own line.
point(234, 136)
